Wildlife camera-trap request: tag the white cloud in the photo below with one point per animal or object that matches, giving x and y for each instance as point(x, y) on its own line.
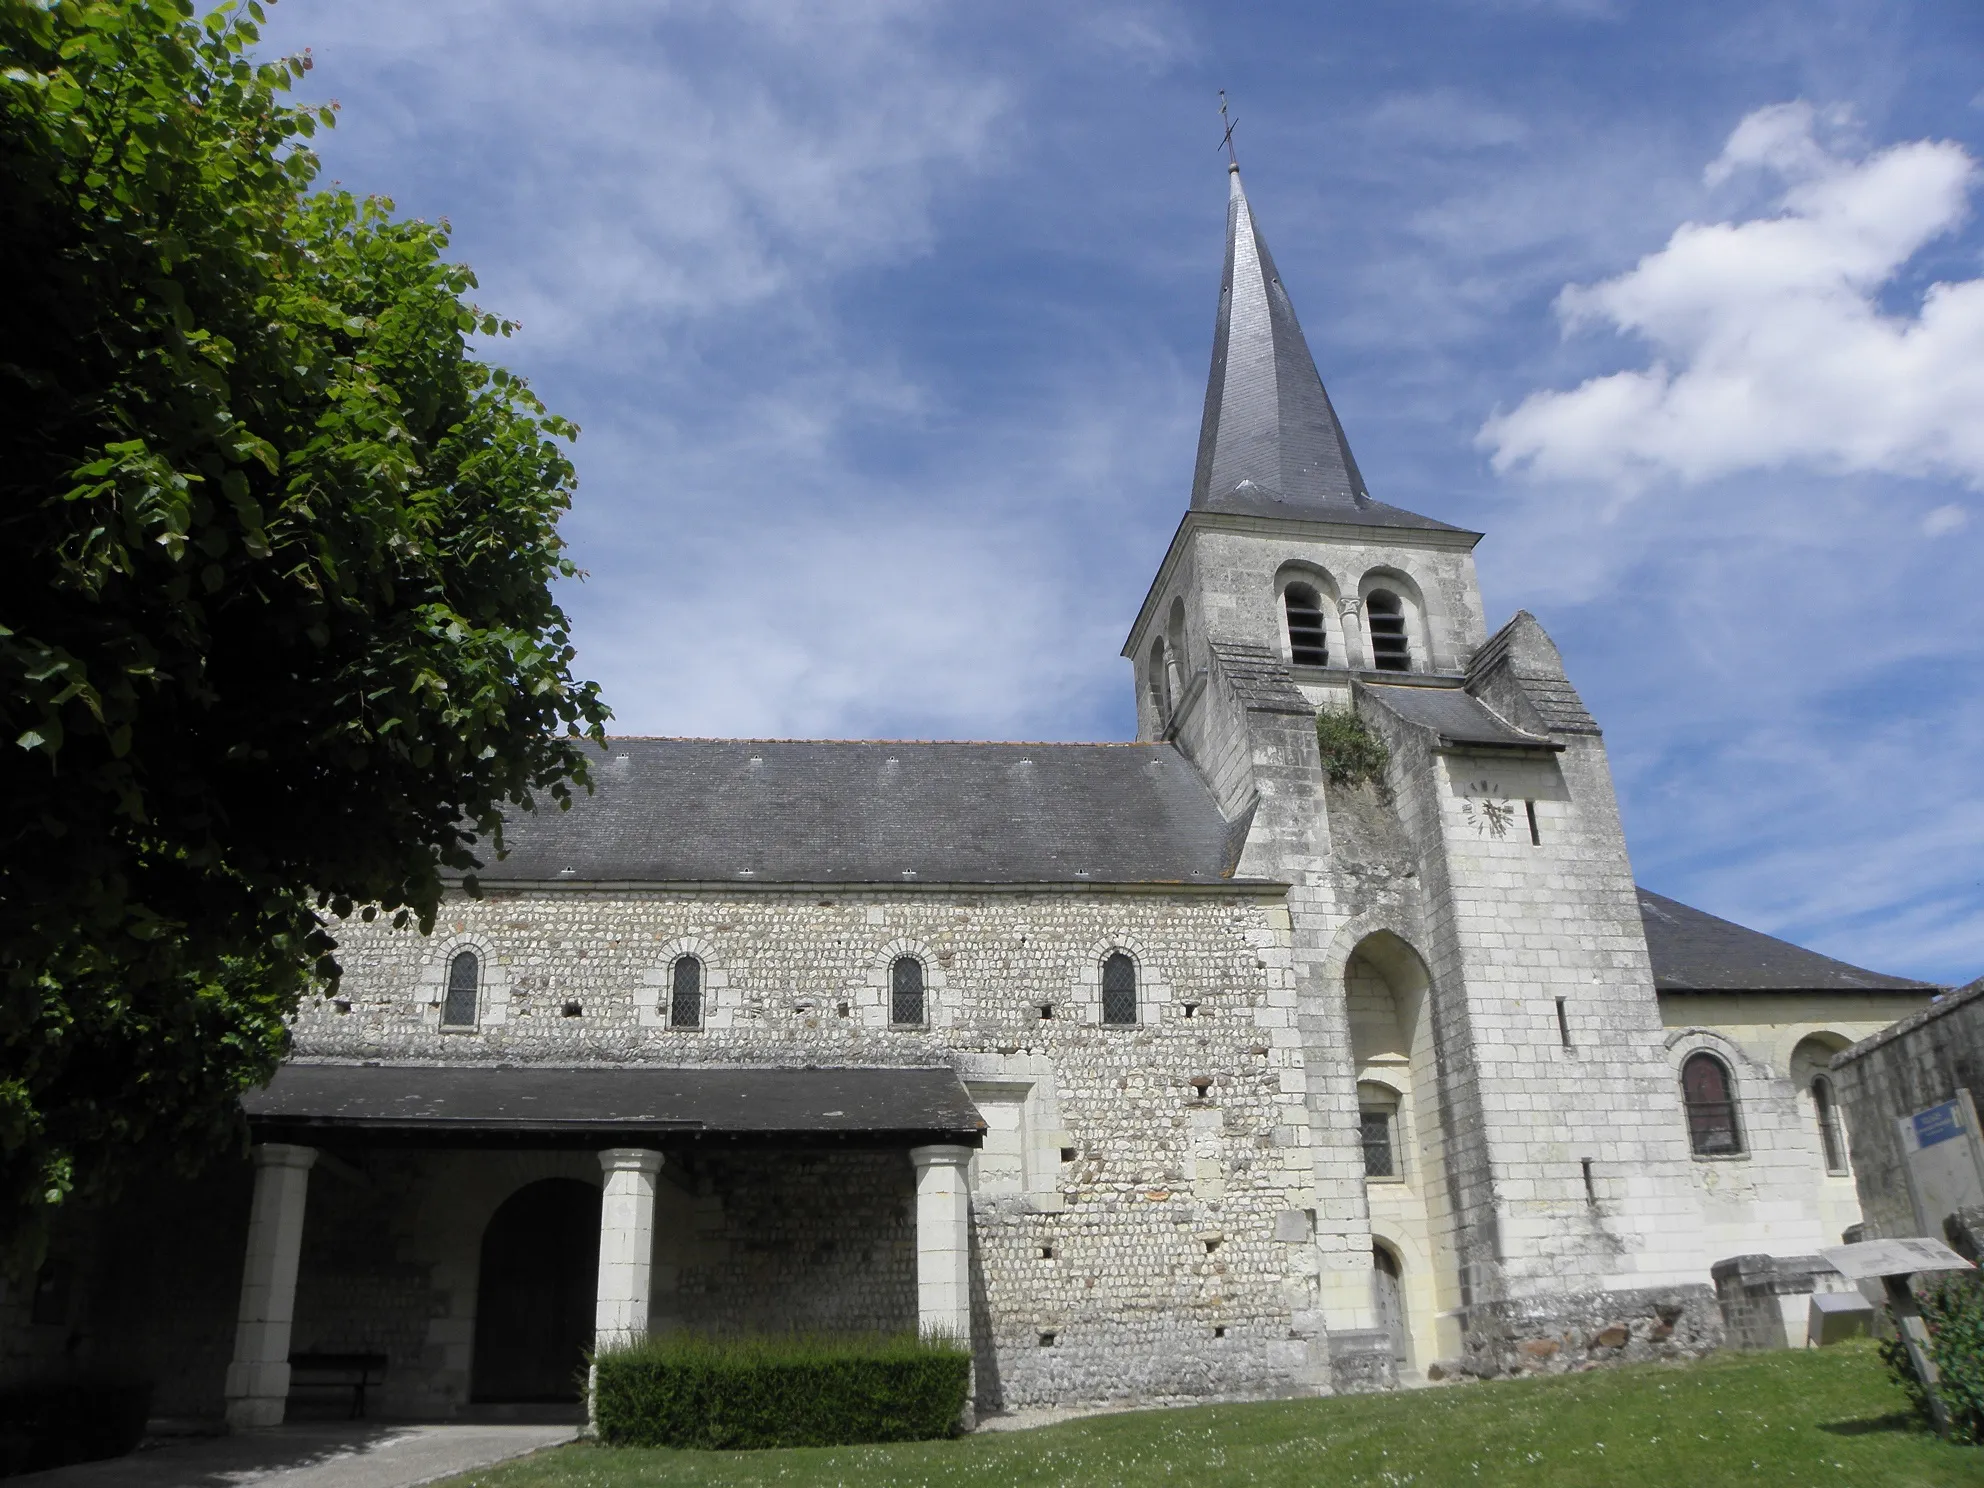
point(1772, 344)
point(662, 163)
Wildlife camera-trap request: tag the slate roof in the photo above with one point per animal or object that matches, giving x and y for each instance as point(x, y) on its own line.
point(1270, 443)
point(807, 811)
point(1696, 952)
point(1458, 718)
point(482, 1102)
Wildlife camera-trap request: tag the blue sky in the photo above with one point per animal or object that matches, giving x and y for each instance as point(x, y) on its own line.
point(888, 323)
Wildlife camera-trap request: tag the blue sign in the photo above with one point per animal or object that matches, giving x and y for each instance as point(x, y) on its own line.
point(1938, 1124)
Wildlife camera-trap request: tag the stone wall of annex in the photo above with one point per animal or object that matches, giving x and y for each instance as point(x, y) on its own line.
point(1920, 1061)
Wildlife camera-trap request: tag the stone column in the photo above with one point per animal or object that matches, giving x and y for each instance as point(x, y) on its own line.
point(626, 1245)
point(943, 1241)
point(258, 1379)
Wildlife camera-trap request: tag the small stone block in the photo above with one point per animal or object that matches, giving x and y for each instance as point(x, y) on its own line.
point(1291, 1225)
point(1835, 1316)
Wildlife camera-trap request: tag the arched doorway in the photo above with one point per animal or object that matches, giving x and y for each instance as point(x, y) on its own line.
point(534, 1301)
point(1388, 1297)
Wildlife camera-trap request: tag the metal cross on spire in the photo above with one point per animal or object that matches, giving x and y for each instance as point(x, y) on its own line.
point(1226, 144)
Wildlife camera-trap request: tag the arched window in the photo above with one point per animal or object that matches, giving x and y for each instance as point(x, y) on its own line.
point(1119, 989)
point(1831, 1138)
point(1159, 682)
point(1386, 613)
point(906, 1009)
point(685, 1000)
point(1710, 1098)
point(1308, 642)
point(464, 987)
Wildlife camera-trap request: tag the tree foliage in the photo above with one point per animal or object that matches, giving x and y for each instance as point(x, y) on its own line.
point(276, 627)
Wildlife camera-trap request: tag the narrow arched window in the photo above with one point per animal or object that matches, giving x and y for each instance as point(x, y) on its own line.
point(1709, 1096)
point(1831, 1138)
point(1308, 642)
point(685, 995)
point(1159, 682)
point(1119, 989)
point(1389, 649)
point(464, 989)
point(906, 1006)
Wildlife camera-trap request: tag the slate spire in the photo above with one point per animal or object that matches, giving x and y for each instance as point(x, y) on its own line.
point(1270, 442)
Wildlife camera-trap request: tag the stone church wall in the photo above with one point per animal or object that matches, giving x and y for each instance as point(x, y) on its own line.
point(1135, 1234)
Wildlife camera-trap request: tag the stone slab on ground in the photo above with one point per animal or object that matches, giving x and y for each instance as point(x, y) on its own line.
point(313, 1456)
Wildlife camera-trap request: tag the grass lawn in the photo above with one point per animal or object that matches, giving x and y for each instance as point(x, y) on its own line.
point(1824, 1416)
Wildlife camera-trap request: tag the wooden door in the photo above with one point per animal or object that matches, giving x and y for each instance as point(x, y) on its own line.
point(535, 1298)
point(1390, 1299)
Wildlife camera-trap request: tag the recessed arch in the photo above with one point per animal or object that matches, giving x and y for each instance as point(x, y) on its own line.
point(536, 1291)
point(475, 1004)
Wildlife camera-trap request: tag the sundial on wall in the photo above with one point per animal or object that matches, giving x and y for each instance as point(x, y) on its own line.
point(1487, 810)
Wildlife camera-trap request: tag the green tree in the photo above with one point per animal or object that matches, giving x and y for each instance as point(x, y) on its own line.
point(277, 636)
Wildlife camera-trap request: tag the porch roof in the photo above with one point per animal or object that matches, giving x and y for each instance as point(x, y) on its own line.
point(537, 1105)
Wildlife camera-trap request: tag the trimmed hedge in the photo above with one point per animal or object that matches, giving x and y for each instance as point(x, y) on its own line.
point(1953, 1309)
point(799, 1390)
point(55, 1423)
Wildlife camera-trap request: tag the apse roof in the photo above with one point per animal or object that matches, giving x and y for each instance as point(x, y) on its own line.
point(1694, 951)
point(810, 811)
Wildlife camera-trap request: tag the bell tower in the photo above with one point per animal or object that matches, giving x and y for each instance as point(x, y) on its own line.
point(1283, 556)
point(1482, 885)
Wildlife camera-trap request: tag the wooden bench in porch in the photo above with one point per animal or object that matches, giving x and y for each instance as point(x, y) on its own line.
point(354, 1372)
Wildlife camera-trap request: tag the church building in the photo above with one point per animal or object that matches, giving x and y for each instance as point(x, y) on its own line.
point(1319, 1039)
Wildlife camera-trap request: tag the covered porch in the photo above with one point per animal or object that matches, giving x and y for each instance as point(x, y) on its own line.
point(452, 1239)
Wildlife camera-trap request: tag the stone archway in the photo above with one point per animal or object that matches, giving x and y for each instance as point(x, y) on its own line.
point(535, 1294)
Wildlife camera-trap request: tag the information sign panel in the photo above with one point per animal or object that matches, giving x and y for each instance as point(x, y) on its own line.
point(1872, 1258)
point(1943, 1155)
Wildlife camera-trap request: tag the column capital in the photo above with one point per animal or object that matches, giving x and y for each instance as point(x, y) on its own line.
point(945, 1155)
point(631, 1160)
point(284, 1155)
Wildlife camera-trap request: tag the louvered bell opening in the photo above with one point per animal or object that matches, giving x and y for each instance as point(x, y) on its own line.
point(1308, 642)
point(1389, 651)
